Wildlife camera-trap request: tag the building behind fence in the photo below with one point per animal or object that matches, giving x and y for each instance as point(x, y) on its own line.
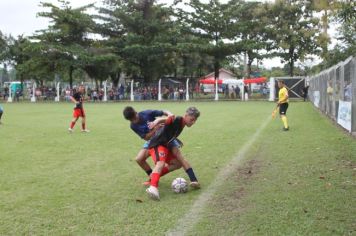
point(333, 91)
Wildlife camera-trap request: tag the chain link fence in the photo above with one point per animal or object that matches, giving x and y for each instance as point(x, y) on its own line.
point(333, 91)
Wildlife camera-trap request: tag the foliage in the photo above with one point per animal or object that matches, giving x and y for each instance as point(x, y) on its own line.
point(146, 40)
point(67, 39)
point(211, 22)
point(295, 30)
point(142, 35)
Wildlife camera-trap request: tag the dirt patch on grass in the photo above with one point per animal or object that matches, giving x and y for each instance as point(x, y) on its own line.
point(227, 202)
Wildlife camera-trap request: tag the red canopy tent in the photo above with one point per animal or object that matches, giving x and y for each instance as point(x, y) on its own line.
point(255, 80)
point(209, 80)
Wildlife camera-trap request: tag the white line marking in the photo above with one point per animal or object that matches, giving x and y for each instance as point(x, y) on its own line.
point(187, 222)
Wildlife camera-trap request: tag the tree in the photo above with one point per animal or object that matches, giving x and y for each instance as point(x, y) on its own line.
point(346, 16)
point(250, 29)
point(295, 30)
point(140, 32)
point(4, 56)
point(67, 39)
point(18, 56)
point(210, 22)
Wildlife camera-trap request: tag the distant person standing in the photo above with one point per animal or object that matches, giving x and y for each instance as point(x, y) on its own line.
point(78, 98)
point(283, 103)
point(1, 112)
point(246, 92)
point(237, 91)
point(305, 93)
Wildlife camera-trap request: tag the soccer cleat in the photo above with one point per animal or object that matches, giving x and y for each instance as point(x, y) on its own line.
point(285, 129)
point(85, 131)
point(153, 193)
point(195, 185)
point(70, 130)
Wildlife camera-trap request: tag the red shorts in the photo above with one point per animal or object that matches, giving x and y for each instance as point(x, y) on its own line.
point(161, 153)
point(78, 113)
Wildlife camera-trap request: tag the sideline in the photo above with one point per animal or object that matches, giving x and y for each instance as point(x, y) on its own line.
point(187, 222)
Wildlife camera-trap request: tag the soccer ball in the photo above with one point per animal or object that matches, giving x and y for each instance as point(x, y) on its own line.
point(179, 185)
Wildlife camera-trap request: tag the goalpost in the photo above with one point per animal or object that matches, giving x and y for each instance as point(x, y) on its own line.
point(295, 86)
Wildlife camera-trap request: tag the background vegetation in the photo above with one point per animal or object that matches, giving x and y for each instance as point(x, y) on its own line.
point(147, 40)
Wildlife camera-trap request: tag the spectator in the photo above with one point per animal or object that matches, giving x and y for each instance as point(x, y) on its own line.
point(305, 92)
point(347, 91)
point(18, 93)
point(121, 92)
point(246, 91)
point(6, 92)
point(237, 91)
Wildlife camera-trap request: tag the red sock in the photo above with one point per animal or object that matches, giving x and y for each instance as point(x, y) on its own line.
point(155, 179)
point(72, 124)
point(83, 126)
point(164, 171)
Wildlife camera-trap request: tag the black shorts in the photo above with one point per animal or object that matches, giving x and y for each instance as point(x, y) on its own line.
point(283, 108)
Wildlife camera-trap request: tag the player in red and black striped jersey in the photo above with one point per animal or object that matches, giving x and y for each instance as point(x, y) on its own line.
point(78, 98)
point(159, 151)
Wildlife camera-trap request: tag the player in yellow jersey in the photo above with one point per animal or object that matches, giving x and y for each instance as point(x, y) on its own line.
point(283, 103)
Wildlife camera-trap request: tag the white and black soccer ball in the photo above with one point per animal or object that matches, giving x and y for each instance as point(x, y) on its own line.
point(179, 185)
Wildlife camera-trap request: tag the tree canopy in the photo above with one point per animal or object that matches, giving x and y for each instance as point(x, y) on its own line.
point(147, 40)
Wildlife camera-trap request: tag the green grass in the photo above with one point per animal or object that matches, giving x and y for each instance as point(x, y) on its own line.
point(54, 183)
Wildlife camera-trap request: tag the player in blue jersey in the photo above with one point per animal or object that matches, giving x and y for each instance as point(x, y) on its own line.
point(139, 124)
point(1, 112)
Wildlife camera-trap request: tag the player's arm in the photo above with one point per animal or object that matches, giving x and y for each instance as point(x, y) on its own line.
point(158, 121)
point(149, 135)
point(73, 100)
point(167, 113)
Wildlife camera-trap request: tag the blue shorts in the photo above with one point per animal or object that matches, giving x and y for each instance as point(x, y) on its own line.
point(172, 144)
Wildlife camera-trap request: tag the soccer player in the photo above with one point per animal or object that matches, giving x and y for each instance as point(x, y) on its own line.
point(283, 103)
point(78, 98)
point(139, 124)
point(1, 112)
point(159, 151)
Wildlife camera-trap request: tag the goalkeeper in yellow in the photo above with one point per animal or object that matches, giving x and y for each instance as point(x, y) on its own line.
point(283, 103)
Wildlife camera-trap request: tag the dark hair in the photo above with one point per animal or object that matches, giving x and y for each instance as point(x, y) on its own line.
point(193, 111)
point(281, 81)
point(129, 113)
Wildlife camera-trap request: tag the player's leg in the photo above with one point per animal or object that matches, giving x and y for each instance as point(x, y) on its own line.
point(283, 111)
point(159, 156)
point(1, 112)
point(74, 120)
point(83, 121)
point(141, 160)
point(172, 164)
point(187, 167)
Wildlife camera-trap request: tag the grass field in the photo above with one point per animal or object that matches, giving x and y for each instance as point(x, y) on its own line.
point(300, 182)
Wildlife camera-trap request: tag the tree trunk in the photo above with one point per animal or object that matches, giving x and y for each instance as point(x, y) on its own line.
point(291, 61)
point(216, 68)
point(71, 69)
point(249, 64)
point(115, 79)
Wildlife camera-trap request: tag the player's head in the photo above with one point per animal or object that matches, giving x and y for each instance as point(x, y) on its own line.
point(191, 116)
point(81, 89)
point(281, 83)
point(130, 113)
